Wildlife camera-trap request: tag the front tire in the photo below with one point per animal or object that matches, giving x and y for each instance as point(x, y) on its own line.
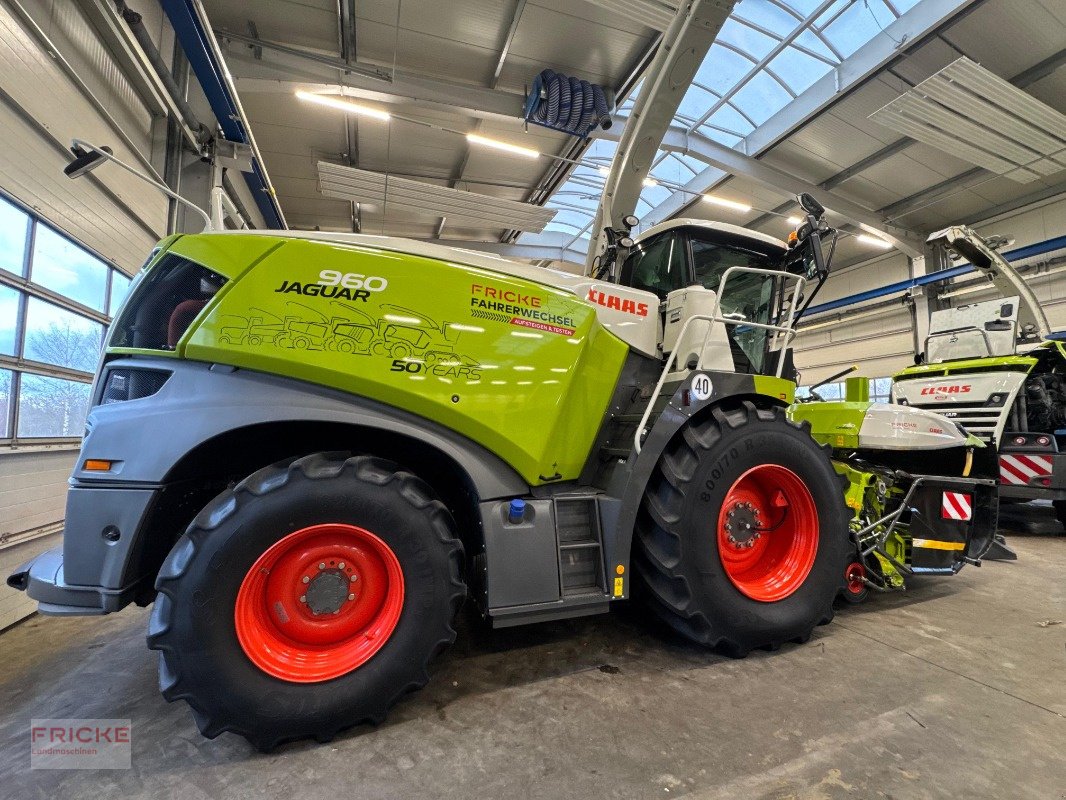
point(309, 598)
point(742, 538)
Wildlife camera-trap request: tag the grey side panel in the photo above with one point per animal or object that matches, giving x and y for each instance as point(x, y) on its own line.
point(90, 557)
point(522, 558)
point(200, 401)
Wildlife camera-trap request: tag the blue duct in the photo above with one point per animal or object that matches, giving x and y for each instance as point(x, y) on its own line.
point(210, 74)
point(1020, 254)
point(566, 104)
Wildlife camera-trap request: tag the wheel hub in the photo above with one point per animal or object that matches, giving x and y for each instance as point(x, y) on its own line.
point(319, 602)
point(742, 525)
point(767, 532)
point(327, 592)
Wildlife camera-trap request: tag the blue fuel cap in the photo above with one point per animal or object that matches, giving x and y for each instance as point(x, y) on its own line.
point(516, 511)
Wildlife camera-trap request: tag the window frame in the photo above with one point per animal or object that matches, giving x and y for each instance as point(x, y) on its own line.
point(17, 363)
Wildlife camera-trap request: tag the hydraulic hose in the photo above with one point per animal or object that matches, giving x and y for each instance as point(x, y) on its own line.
point(567, 104)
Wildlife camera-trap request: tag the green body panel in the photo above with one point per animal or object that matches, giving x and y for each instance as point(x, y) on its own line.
point(857, 390)
point(833, 422)
point(777, 388)
point(1023, 363)
point(524, 369)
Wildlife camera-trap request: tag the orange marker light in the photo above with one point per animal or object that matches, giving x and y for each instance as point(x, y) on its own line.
point(96, 465)
point(620, 569)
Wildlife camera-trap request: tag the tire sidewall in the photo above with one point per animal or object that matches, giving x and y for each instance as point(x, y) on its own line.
point(751, 445)
point(204, 611)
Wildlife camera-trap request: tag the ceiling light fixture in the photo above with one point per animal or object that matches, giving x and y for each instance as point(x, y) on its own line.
point(874, 241)
point(719, 201)
point(341, 104)
point(474, 138)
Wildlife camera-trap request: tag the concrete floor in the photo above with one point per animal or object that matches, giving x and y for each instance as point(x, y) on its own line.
point(954, 690)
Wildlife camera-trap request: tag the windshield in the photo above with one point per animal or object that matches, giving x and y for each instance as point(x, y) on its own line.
point(747, 298)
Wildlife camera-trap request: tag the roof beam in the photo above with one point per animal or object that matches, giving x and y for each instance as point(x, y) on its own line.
point(734, 162)
point(290, 69)
point(516, 17)
point(912, 27)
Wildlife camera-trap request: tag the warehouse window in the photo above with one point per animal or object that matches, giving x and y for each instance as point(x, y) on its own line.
point(56, 299)
point(881, 390)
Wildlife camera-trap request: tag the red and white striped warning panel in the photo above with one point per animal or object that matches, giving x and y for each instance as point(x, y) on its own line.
point(1019, 469)
point(956, 506)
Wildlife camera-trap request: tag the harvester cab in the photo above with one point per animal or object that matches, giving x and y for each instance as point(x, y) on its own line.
point(996, 368)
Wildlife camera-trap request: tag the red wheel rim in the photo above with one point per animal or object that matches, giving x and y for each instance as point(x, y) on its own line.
point(319, 603)
point(854, 575)
point(768, 533)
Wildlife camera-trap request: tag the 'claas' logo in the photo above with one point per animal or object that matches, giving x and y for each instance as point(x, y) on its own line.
point(618, 303)
point(955, 388)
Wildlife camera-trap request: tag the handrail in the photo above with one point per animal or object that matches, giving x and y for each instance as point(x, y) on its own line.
point(715, 316)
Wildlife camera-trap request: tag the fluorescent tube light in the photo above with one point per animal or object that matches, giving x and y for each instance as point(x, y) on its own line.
point(331, 101)
point(719, 201)
point(474, 138)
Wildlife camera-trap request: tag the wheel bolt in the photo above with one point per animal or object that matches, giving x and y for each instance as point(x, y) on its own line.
point(306, 579)
point(728, 526)
point(322, 565)
point(303, 598)
point(732, 513)
point(351, 597)
point(340, 565)
point(354, 578)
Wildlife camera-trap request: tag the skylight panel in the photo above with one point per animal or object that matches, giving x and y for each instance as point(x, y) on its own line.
point(797, 69)
point(729, 120)
point(761, 98)
point(695, 104)
point(856, 25)
point(722, 137)
point(767, 15)
point(747, 40)
point(722, 69)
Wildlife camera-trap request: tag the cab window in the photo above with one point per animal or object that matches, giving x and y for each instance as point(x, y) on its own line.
point(711, 259)
point(656, 267)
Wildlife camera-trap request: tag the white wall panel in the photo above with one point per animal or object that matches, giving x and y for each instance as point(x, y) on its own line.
point(33, 490)
point(35, 86)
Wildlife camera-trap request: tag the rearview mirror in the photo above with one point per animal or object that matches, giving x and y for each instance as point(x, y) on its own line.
point(84, 161)
point(810, 205)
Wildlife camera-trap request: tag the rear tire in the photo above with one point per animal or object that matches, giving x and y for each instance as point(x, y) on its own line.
point(226, 607)
point(722, 593)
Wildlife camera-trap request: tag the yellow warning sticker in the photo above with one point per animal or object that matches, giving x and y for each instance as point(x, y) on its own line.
point(619, 587)
point(936, 544)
